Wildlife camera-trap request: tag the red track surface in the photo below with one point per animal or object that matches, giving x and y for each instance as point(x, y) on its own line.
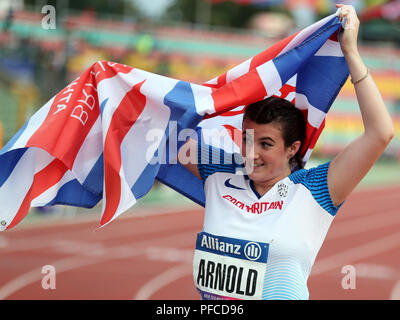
point(145, 256)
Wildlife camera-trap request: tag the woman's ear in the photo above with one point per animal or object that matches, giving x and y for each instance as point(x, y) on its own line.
point(294, 148)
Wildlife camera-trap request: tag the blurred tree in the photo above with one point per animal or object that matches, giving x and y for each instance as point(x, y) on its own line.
point(227, 13)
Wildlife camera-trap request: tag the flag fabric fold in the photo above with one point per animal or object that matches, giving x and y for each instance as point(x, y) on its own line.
point(114, 130)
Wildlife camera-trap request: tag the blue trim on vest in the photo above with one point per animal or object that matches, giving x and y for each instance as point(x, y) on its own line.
point(207, 169)
point(212, 154)
point(316, 180)
point(253, 187)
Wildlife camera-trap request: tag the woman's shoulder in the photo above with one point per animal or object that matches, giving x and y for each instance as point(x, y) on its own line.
point(212, 160)
point(318, 173)
point(315, 180)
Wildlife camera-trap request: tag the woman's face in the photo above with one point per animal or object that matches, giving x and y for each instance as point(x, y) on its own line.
point(264, 152)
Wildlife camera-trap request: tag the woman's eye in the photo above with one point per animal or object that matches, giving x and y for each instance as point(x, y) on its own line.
point(266, 145)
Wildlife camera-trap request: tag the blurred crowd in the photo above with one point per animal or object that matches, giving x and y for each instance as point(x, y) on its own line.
point(34, 65)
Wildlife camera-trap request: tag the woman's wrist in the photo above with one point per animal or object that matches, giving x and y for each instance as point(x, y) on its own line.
point(353, 59)
point(356, 65)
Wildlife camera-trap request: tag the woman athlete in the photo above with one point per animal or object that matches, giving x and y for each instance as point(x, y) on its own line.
point(262, 231)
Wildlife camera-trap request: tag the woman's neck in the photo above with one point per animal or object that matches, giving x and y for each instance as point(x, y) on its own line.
point(264, 186)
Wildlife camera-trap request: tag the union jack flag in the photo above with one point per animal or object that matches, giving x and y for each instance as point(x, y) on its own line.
point(88, 142)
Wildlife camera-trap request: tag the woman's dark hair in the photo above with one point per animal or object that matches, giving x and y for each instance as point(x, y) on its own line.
point(279, 110)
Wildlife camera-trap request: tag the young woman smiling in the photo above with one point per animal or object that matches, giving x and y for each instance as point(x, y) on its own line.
point(263, 230)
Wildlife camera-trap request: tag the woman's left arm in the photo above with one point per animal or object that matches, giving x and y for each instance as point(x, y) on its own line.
point(349, 167)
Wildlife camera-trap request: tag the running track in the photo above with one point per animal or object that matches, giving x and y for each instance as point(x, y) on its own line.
point(148, 255)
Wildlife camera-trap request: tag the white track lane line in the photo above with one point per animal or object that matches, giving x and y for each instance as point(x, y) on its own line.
point(93, 257)
point(361, 196)
point(395, 293)
point(138, 212)
point(162, 280)
point(49, 240)
point(354, 254)
point(340, 229)
point(321, 266)
point(3, 242)
point(362, 224)
point(377, 271)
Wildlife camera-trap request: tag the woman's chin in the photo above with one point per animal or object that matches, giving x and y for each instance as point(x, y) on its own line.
point(257, 173)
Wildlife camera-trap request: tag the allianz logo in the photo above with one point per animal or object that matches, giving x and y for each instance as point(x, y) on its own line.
point(251, 250)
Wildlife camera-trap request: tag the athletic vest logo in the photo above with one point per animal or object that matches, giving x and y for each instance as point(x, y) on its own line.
point(256, 207)
point(227, 184)
point(282, 189)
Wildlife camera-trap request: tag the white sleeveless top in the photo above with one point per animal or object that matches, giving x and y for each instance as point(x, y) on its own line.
point(259, 247)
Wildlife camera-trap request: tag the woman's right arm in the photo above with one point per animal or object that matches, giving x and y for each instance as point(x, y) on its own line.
point(187, 156)
point(355, 160)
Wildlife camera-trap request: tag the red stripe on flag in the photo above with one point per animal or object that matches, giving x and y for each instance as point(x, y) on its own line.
point(210, 85)
point(106, 69)
point(285, 91)
point(235, 134)
point(123, 118)
point(222, 80)
point(312, 135)
point(271, 52)
point(72, 114)
point(74, 111)
point(258, 60)
point(334, 37)
point(237, 92)
point(42, 181)
point(226, 113)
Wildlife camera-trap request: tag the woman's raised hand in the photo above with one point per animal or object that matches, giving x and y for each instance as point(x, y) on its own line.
point(348, 38)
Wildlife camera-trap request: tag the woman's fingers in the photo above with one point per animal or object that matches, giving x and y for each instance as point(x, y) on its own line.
point(345, 11)
point(350, 25)
point(350, 22)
